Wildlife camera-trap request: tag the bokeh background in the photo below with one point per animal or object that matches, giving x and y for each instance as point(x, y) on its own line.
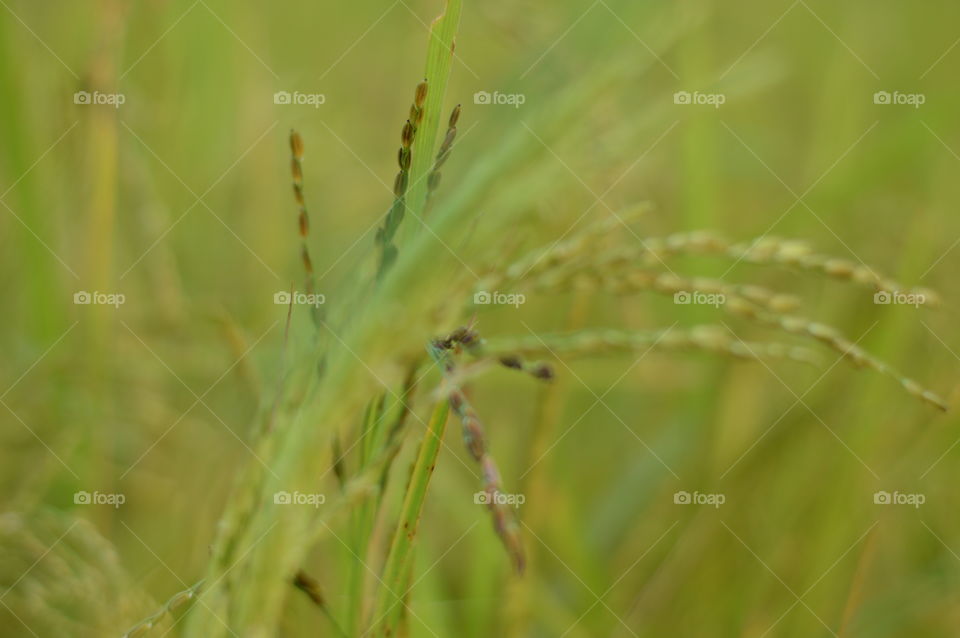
point(179, 200)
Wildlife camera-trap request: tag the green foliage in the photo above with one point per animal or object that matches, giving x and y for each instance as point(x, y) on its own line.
point(343, 401)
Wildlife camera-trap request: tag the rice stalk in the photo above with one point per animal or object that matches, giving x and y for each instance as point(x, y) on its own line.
point(575, 265)
point(664, 283)
point(713, 339)
point(317, 312)
point(563, 250)
point(762, 251)
point(391, 224)
point(433, 180)
point(504, 516)
point(835, 341)
point(174, 603)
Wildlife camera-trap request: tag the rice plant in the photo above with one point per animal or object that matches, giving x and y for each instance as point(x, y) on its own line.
point(411, 314)
point(369, 382)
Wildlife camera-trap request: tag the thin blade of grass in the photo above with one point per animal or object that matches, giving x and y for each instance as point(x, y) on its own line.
point(400, 555)
point(440, 50)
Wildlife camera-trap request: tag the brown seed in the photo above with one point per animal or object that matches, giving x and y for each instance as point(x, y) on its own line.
point(406, 136)
point(491, 475)
point(448, 142)
point(309, 585)
point(296, 145)
point(511, 362)
point(473, 437)
point(543, 371)
point(421, 95)
point(404, 158)
point(455, 116)
point(307, 264)
point(400, 185)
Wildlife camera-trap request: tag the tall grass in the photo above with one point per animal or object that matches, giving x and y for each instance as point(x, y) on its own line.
point(359, 390)
point(260, 545)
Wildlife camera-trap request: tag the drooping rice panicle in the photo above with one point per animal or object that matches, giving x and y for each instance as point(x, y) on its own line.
point(763, 251)
point(504, 516)
point(564, 250)
point(175, 602)
point(838, 343)
point(587, 343)
point(751, 302)
point(467, 338)
point(536, 369)
point(800, 255)
point(634, 281)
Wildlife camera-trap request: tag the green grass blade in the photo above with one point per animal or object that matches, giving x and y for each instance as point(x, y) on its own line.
point(400, 555)
point(443, 33)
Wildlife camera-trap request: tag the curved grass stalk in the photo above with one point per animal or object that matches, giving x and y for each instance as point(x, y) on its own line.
point(588, 343)
point(839, 344)
point(176, 602)
point(663, 283)
point(504, 517)
point(762, 251)
point(576, 267)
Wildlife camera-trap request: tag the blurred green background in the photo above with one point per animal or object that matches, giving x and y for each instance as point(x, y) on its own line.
point(179, 200)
